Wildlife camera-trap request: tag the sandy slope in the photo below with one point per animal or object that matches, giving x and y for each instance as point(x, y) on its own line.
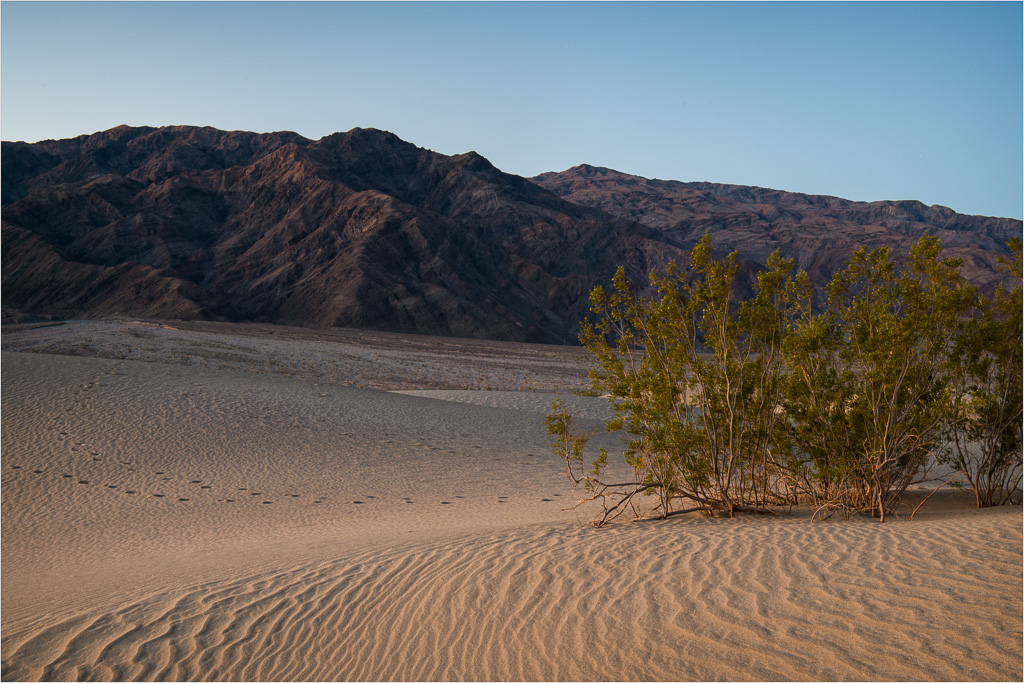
point(457, 561)
point(374, 360)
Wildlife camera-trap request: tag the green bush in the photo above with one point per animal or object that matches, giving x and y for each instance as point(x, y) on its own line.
point(985, 373)
point(729, 406)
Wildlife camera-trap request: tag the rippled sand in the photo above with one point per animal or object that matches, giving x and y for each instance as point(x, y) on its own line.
point(169, 522)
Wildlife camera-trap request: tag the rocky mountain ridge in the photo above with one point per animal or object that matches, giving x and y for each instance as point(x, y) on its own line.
point(818, 231)
point(362, 229)
point(358, 229)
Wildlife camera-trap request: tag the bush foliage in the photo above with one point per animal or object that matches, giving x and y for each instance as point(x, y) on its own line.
point(729, 406)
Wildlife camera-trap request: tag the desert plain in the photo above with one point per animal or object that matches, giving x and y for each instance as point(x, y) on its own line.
point(202, 501)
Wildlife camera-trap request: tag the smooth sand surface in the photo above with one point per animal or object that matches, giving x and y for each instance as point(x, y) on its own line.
point(284, 528)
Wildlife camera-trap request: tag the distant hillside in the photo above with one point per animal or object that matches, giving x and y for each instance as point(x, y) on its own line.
point(819, 232)
point(362, 229)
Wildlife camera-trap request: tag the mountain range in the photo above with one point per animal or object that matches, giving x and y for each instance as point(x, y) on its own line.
point(362, 229)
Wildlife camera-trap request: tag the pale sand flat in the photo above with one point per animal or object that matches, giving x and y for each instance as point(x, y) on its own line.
point(403, 537)
point(581, 407)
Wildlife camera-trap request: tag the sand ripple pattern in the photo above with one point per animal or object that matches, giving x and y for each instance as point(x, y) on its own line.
point(777, 599)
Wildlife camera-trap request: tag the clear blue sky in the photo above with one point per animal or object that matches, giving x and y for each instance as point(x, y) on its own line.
point(862, 100)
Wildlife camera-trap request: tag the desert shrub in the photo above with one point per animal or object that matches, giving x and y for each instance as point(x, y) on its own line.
point(867, 394)
point(985, 371)
point(694, 378)
point(730, 406)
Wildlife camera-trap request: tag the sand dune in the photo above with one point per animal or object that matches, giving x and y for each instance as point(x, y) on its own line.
point(735, 600)
point(280, 528)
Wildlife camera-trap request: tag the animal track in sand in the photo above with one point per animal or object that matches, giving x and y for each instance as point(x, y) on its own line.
point(93, 455)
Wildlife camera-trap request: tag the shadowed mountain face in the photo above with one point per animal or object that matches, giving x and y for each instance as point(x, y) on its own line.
point(819, 232)
point(358, 229)
point(362, 229)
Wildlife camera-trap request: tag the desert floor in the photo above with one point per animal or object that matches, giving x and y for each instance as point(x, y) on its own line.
point(248, 502)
